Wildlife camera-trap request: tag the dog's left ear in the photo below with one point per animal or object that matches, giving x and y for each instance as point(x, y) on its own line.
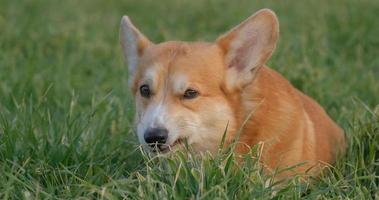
point(133, 44)
point(248, 46)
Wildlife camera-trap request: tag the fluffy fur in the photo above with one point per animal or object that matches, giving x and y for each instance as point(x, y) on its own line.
point(234, 85)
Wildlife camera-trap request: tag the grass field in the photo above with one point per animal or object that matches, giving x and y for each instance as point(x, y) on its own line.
point(66, 115)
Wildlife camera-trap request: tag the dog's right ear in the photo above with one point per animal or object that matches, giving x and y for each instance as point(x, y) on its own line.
point(133, 44)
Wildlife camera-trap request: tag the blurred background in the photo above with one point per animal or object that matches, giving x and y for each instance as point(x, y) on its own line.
point(327, 48)
point(64, 101)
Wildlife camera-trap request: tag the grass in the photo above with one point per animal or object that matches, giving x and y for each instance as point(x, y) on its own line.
point(66, 117)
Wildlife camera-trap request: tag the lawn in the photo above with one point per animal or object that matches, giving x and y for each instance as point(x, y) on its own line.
point(66, 115)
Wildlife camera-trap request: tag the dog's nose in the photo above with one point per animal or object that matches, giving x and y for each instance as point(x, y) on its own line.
point(156, 136)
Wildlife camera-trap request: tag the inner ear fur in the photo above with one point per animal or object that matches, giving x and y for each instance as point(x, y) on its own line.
point(250, 44)
point(133, 44)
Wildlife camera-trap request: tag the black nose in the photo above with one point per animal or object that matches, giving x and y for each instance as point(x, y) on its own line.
point(156, 136)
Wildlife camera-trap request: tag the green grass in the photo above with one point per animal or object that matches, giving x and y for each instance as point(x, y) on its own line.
point(66, 116)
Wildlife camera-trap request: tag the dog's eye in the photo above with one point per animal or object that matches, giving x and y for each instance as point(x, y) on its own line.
point(190, 94)
point(145, 91)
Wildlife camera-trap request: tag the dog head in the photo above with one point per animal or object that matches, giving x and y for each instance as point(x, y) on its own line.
point(191, 91)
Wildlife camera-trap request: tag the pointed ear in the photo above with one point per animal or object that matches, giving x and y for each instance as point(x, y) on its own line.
point(248, 46)
point(133, 43)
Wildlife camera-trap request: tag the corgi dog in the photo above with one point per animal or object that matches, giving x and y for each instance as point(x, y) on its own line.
point(199, 91)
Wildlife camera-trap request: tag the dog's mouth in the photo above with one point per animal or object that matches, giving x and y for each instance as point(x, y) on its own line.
point(165, 148)
point(178, 141)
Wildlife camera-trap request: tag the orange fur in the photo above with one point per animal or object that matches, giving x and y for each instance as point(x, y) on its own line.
point(234, 85)
point(279, 122)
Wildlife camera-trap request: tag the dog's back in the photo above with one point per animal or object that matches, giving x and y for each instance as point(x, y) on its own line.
point(291, 126)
